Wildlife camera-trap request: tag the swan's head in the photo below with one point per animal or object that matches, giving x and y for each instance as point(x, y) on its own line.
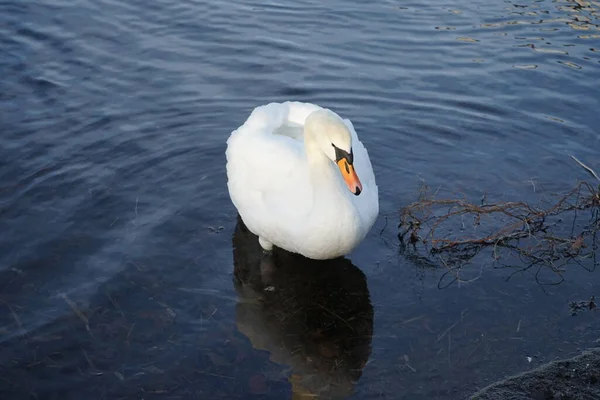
point(335, 140)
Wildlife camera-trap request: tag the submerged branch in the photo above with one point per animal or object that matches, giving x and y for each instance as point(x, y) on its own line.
point(588, 169)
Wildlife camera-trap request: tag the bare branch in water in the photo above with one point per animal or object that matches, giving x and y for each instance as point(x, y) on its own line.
point(451, 232)
point(588, 169)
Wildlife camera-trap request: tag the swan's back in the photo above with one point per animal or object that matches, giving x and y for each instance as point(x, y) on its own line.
point(267, 167)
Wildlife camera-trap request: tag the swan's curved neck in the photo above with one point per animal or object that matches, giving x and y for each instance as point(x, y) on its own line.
point(331, 198)
point(314, 154)
point(323, 171)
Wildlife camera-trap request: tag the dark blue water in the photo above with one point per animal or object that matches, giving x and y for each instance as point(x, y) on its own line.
point(118, 276)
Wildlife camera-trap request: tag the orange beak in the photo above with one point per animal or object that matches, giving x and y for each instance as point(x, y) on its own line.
point(350, 176)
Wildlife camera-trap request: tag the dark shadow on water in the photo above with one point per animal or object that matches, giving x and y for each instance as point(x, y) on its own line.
point(314, 316)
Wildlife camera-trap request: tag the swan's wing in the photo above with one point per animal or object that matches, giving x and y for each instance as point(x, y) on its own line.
point(268, 175)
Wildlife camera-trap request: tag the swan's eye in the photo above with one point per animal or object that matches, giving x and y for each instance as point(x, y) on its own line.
point(342, 154)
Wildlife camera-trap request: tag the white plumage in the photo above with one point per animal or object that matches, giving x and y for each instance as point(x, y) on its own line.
point(290, 178)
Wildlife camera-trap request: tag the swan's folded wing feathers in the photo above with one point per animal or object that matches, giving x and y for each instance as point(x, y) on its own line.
point(270, 168)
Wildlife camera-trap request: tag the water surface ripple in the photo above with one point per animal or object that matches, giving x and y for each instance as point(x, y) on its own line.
point(116, 247)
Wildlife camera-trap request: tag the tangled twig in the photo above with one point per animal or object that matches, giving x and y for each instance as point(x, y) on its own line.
point(451, 232)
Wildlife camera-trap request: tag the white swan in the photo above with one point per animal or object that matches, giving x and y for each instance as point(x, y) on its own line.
point(301, 180)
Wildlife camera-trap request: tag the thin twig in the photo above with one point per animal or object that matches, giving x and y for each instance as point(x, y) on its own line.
point(588, 169)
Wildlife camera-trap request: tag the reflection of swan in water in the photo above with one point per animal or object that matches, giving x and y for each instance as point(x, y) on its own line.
point(315, 316)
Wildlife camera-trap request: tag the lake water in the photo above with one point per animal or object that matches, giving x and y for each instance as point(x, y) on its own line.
point(117, 275)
